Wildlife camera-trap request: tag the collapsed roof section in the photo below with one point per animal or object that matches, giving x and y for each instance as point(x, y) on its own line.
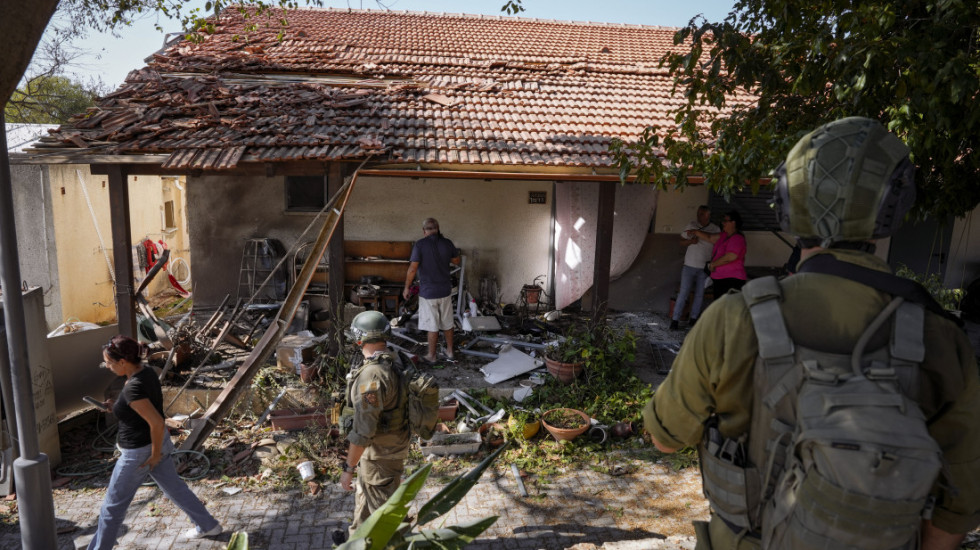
point(408, 88)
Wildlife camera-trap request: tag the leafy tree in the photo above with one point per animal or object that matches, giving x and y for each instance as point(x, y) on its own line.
point(23, 24)
point(913, 64)
point(49, 100)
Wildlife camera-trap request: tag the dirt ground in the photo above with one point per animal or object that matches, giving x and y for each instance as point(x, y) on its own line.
point(656, 348)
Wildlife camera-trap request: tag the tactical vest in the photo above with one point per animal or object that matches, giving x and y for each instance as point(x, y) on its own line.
point(838, 455)
point(392, 419)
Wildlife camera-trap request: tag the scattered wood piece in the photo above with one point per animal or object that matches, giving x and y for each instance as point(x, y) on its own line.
point(440, 99)
point(242, 455)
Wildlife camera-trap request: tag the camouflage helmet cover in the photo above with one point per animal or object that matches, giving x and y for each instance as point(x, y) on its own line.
point(370, 326)
point(848, 180)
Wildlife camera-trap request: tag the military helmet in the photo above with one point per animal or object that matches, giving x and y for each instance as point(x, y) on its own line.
point(848, 180)
point(370, 326)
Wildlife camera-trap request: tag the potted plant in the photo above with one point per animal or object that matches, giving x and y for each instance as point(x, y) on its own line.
point(523, 424)
point(591, 345)
point(565, 424)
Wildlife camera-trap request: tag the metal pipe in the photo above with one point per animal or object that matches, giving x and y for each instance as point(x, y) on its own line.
point(520, 343)
point(517, 477)
point(485, 354)
point(214, 346)
point(400, 332)
point(268, 410)
point(32, 473)
point(214, 317)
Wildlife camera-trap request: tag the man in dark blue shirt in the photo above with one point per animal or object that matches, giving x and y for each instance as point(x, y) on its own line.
point(431, 259)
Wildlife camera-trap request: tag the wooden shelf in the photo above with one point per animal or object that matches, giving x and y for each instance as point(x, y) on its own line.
point(386, 259)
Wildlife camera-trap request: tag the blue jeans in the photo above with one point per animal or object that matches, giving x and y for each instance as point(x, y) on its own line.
point(691, 277)
point(127, 476)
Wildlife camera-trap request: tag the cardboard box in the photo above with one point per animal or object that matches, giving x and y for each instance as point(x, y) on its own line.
point(293, 351)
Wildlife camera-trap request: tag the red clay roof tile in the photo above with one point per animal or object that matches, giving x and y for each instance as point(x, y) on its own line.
point(405, 87)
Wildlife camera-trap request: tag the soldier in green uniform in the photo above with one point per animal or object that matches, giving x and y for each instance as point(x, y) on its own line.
point(378, 429)
point(712, 376)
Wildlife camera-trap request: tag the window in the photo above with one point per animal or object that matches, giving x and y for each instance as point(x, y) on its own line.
point(756, 213)
point(169, 218)
point(306, 193)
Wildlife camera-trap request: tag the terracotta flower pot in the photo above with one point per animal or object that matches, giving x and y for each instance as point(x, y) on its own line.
point(566, 373)
point(290, 419)
point(307, 372)
point(565, 433)
point(447, 411)
point(493, 434)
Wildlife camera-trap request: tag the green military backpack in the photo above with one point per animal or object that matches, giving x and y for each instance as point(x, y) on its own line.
point(423, 399)
point(838, 456)
point(418, 401)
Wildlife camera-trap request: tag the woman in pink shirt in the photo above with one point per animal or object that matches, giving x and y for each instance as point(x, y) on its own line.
point(727, 265)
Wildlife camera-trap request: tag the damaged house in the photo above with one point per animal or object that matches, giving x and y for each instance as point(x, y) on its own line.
point(499, 127)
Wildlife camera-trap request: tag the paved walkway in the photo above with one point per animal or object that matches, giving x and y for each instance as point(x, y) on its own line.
point(581, 510)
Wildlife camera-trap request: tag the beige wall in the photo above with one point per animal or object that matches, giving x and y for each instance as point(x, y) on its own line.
point(676, 208)
point(86, 283)
point(490, 221)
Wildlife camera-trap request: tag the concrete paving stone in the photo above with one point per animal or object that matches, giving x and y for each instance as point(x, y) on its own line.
point(582, 507)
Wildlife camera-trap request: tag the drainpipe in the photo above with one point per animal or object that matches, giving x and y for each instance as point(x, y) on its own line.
point(32, 473)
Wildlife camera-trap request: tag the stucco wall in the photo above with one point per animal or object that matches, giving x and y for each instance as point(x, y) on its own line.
point(86, 290)
point(35, 239)
point(491, 222)
point(676, 208)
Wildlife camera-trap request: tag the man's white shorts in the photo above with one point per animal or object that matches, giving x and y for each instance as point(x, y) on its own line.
point(436, 314)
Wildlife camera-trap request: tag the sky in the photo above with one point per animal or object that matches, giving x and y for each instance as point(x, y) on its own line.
point(112, 58)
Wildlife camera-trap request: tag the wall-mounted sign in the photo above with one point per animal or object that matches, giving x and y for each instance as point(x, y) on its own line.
point(537, 197)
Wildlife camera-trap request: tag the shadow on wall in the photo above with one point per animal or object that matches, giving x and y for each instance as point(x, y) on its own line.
point(575, 233)
point(650, 282)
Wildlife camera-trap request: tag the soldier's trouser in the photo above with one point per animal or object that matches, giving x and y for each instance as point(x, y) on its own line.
point(718, 536)
point(377, 480)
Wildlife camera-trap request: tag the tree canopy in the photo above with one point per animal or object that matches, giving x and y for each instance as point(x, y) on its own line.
point(22, 24)
point(913, 64)
point(49, 100)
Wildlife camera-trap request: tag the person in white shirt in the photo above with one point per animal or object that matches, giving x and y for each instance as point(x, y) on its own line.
point(693, 275)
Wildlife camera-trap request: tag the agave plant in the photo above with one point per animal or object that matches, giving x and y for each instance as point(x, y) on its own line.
point(387, 529)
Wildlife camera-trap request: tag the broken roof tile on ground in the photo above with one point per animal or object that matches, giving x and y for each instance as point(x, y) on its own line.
point(409, 88)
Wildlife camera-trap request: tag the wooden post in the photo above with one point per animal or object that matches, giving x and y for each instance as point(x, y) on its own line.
point(603, 248)
point(335, 250)
point(122, 252)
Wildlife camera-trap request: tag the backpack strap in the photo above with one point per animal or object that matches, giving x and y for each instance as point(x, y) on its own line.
point(885, 282)
point(763, 296)
point(776, 348)
point(907, 347)
point(775, 377)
